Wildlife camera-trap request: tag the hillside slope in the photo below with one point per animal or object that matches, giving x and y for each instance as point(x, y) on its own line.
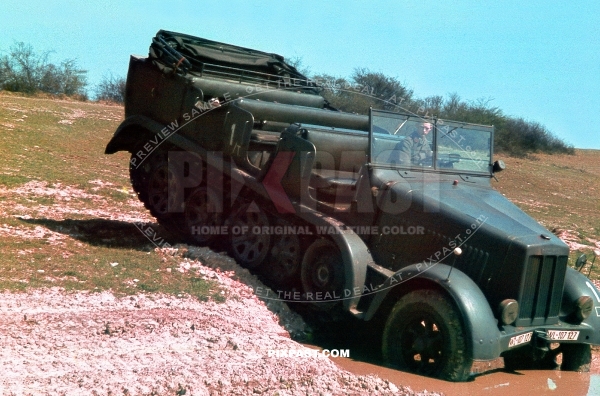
point(70, 222)
point(562, 192)
point(106, 305)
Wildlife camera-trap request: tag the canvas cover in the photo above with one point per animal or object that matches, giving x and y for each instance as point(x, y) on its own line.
point(167, 48)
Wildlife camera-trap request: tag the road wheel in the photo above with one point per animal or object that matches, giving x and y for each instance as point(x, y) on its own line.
point(576, 357)
point(163, 191)
point(285, 259)
point(139, 179)
point(249, 244)
point(322, 274)
point(424, 335)
point(203, 214)
point(140, 172)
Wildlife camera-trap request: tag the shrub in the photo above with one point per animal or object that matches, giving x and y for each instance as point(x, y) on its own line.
point(24, 70)
point(111, 89)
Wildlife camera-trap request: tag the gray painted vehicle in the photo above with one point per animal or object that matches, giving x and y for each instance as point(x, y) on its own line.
point(385, 217)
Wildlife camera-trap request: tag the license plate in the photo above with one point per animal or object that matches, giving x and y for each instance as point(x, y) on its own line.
point(558, 335)
point(520, 339)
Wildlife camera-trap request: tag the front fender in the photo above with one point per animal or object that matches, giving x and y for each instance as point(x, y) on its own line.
point(479, 321)
point(577, 285)
point(355, 256)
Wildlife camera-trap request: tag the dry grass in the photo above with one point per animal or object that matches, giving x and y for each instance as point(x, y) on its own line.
point(562, 193)
point(68, 216)
point(67, 211)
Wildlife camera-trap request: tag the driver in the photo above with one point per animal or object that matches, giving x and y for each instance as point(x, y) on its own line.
point(415, 148)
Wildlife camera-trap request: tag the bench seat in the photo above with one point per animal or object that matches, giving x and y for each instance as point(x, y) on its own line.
point(330, 184)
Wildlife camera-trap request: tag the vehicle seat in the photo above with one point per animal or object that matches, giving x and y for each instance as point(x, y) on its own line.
point(330, 184)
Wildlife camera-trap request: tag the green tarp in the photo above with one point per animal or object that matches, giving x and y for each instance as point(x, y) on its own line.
point(167, 46)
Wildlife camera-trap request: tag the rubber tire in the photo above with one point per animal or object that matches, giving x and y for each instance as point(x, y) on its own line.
point(576, 357)
point(285, 259)
point(323, 254)
point(407, 317)
point(249, 250)
point(209, 213)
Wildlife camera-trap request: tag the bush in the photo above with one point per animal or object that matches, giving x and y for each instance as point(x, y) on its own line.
point(514, 136)
point(363, 90)
point(23, 70)
point(520, 137)
point(111, 89)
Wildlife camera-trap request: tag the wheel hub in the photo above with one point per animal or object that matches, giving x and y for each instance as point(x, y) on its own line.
point(250, 247)
point(323, 275)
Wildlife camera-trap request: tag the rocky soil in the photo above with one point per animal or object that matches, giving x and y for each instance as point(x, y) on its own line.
point(53, 342)
point(67, 343)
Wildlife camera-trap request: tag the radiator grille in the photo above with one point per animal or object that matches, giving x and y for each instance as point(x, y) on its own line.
point(541, 291)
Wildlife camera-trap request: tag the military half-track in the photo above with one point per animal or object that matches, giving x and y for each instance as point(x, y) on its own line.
point(387, 215)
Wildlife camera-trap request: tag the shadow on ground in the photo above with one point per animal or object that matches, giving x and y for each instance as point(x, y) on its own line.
point(109, 233)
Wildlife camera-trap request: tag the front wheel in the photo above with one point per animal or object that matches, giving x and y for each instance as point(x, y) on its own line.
point(424, 335)
point(576, 357)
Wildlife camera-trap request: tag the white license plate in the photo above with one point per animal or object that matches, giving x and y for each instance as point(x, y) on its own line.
point(520, 339)
point(558, 335)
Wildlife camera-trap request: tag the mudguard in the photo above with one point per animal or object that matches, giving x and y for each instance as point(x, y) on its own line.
point(577, 285)
point(478, 318)
point(123, 140)
point(134, 128)
point(355, 256)
point(355, 253)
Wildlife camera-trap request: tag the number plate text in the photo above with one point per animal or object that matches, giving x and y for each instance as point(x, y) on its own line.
point(558, 335)
point(520, 339)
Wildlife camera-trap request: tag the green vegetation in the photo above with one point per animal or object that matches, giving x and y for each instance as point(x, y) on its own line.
point(23, 70)
point(111, 89)
point(364, 89)
point(67, 211)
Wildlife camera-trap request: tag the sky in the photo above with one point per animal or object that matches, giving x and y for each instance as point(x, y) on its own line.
point(539, 60)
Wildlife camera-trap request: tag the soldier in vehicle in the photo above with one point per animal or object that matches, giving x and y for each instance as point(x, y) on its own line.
point(415, 148)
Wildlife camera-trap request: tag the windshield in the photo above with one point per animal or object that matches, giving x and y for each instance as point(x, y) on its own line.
point(418, 142)
point(464, 146)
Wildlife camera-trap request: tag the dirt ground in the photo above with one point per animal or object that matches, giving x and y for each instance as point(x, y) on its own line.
point(93, 343)
point(54, 184)
point(60, 342)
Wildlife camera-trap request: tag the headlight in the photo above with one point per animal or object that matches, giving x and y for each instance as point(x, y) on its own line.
point(583, 307)
point(509, 310)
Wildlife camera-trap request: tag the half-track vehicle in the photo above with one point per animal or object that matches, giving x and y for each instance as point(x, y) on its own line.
point(387, 215)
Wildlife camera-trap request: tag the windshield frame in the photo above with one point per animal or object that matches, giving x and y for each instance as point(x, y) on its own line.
point(440, 126)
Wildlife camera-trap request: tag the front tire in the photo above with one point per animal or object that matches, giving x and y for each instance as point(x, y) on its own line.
point(576, 357)
point(424, 335)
